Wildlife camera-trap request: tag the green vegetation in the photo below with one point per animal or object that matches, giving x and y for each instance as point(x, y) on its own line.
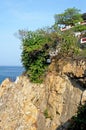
point(46, 114)
point(78, 122)
point(79, 28)
point(36, 45)
point(84, 16)
point(35, 51)
point(71, 16)
point(69, 44)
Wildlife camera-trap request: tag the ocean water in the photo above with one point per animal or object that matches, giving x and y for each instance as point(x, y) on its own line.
point(10, 72)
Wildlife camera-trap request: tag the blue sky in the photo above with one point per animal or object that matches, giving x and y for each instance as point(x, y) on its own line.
point(27, 14)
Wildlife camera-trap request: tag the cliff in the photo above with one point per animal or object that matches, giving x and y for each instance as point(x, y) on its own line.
point(48, 106)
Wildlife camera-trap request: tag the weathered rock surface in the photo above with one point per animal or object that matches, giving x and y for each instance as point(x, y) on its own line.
point(83, 100)
point(48, 106)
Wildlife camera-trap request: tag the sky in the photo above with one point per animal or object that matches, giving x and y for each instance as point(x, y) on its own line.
point(28, 15)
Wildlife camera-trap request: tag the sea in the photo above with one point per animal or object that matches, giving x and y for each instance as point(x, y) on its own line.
point(11, 72)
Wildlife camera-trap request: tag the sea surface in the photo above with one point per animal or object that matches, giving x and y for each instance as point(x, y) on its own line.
point(10, 72)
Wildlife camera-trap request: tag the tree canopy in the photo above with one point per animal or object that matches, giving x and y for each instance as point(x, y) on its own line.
point(69, 17)
point(84, 16)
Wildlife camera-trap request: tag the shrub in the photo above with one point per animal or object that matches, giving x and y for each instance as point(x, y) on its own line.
point(69, 43)
point(36, 46)
point(78, 122)
point(79, 28)
point(35, 51)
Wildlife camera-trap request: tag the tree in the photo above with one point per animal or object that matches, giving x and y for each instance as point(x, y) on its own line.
point(69, 17)
point(84, 16)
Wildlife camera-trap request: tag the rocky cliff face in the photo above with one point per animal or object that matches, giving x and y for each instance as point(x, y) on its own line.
point(48, 106)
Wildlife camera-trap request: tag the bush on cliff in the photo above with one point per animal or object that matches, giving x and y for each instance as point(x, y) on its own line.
point(69, 44)
point(79, 28)
point(35, 51)
point(36, 46)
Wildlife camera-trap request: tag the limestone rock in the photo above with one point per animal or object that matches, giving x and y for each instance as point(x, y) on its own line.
point(83, 97)
point(16, 110)
point(77, 67)
point(48, 106)
point(6, 82)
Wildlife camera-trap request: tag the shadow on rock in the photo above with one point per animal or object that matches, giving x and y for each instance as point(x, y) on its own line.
point(79, 82)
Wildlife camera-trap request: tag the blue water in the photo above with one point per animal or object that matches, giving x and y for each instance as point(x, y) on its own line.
point(10, 72)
